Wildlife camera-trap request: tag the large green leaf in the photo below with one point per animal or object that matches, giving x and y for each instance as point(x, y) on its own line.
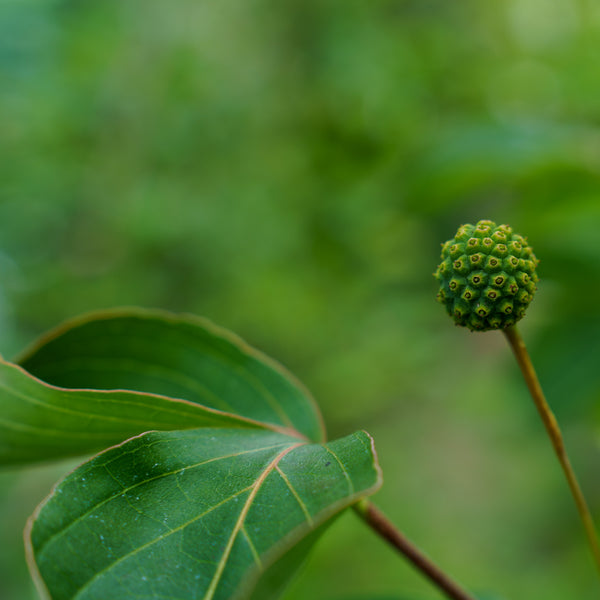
point(177, 356)
point(197, 514)
point(190, 372)
point(225, 500)
point(40, 422)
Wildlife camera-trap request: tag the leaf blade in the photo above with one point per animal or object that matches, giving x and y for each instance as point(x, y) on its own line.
point(42, 422)
point(108, 376)
point(195, 360)
point(266, 526)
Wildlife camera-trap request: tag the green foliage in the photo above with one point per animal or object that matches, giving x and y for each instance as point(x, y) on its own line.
point(488, 276)
point(224, 503)
point(288, 169)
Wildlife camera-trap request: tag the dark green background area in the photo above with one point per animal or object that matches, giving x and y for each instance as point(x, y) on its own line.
point(289, 169)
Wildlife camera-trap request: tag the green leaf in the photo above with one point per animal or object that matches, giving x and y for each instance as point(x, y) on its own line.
point(207, 514)
point(39, 422)
point(224, 500)
point(171, 372)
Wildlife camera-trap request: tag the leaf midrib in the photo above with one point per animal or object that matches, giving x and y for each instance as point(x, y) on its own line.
point(240, 521)
point(253, 488)
point(59, 534)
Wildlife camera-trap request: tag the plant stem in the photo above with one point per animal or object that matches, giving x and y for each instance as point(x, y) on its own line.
point(381, 525)
point(518, 347)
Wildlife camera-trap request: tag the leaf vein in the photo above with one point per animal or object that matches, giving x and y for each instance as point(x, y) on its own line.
point(158, 539)
point(138, 484)
point(343, 467)
point(296, 495)
point(252, 547)
point(254, 488)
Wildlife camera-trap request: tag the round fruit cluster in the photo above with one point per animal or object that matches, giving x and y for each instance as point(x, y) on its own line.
point(487, 276)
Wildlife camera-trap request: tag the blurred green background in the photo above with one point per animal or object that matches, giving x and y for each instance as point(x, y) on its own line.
point(289, 168)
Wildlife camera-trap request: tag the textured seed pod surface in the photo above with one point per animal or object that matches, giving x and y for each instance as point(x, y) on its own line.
point(487, 276)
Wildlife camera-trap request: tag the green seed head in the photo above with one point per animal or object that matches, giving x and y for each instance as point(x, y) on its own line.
point(487, 276)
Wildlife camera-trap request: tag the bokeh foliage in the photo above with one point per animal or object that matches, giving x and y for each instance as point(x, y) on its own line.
point(289, 169)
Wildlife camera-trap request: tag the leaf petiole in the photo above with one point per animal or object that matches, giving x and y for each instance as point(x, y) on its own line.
point(375, 519)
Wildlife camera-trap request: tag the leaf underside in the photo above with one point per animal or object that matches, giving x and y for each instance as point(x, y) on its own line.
point(222, 485)
point(195, 514)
